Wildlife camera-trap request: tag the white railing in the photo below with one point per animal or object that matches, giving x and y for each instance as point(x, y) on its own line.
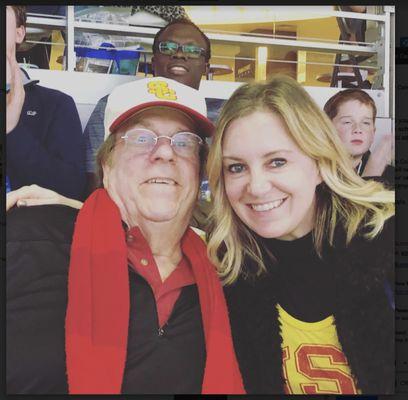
point(383, 47)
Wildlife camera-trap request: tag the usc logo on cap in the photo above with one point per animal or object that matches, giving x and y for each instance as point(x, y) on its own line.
point(161, 90)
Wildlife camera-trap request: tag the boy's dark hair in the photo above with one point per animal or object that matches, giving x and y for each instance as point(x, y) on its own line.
point(21, 15)
point(186, 22)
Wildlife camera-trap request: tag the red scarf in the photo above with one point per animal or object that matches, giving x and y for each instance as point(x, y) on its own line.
point(97, 321)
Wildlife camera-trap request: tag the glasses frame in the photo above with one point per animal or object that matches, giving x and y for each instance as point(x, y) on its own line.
point(181, 47)
point(156, 138)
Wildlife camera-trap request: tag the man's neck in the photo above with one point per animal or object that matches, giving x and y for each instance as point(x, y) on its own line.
point(164, 240)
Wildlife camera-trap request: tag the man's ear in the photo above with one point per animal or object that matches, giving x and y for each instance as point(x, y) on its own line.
point(152, 63)
point(20, 34)
point(207, 69)
point(106, 170)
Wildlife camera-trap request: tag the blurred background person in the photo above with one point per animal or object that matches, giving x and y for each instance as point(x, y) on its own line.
point(353, 113)
point(39, 54)
point(45, 145)
point(352, 30)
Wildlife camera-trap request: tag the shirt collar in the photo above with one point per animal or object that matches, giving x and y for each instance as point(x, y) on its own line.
point(27, 81)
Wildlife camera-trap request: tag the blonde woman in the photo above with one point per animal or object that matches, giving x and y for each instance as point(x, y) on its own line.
point(304, 247)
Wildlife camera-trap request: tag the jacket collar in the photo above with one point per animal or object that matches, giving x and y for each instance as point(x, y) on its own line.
point(27, 81)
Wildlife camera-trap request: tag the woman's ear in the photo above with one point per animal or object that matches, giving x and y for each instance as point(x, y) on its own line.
point(319, 176)
point(207, 70)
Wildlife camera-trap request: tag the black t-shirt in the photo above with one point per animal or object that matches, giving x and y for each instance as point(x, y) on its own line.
point(306, 286)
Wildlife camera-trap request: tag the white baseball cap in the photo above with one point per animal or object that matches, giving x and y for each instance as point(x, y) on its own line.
point(130, 98)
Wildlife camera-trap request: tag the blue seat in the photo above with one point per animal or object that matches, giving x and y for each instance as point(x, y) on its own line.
point(126, 62)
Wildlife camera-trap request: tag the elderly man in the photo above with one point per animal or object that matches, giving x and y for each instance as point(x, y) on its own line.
point(137, 307)
point(181, 51)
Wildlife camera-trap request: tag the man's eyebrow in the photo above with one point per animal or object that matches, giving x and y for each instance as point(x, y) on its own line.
point(143, 124)
point(149, 126)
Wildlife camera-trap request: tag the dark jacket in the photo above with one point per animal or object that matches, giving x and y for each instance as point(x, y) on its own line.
point(387, 177)
point(38, 252)
point(363, 312)
point(47, 147)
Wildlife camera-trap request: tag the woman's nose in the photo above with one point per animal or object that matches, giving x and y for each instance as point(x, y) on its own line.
point(259, 183)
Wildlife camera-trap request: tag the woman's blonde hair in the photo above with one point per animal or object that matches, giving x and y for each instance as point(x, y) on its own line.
point(342, 198)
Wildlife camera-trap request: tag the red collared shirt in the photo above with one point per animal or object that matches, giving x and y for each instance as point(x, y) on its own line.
point(165, 293)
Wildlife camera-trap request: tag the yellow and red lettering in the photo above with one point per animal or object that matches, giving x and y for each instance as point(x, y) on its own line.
point(305, 362)
point(161, 90)
point(285, 357)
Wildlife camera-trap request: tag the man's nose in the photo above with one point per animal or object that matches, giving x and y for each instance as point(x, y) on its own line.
point(163, 150)
point(180, 54)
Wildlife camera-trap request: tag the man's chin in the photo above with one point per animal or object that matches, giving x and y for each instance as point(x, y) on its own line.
point(162, 215)
point(183, 79)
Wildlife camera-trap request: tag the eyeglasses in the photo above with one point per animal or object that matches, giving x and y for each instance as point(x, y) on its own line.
point(183, 143)
point(189, 50)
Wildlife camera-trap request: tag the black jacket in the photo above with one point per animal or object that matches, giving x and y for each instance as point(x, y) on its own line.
point(38, 250)
point(363, 312)
point(388, 175)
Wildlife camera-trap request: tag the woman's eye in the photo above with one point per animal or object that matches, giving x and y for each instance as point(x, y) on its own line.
point(235, 168)
point(277, 162)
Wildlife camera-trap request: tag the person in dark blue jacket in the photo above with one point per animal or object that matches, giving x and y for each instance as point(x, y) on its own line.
point(45, 145)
